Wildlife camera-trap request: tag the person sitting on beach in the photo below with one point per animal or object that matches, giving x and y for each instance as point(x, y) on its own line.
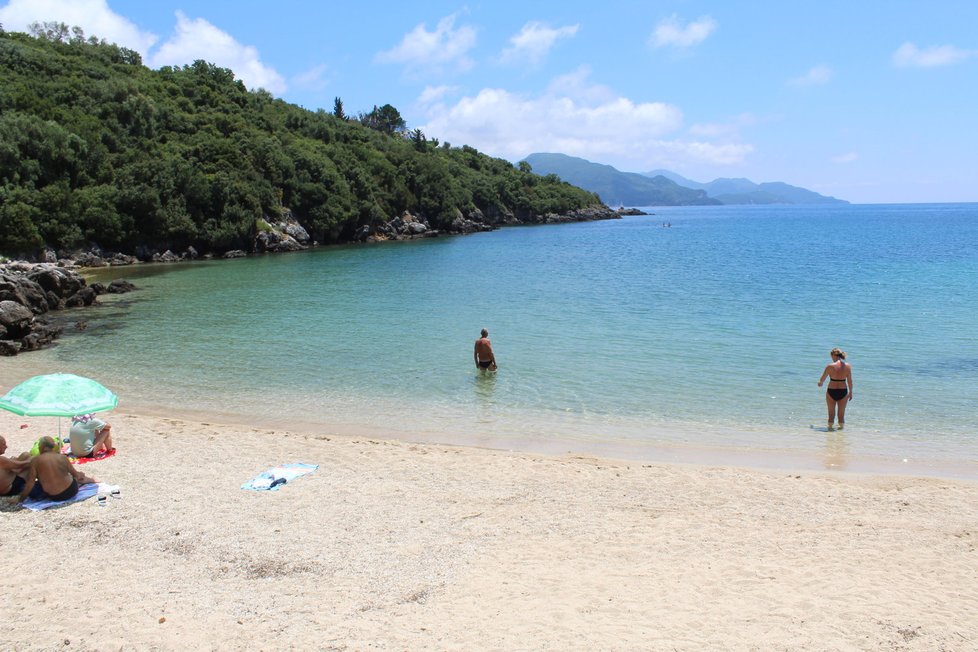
point(58, 478)
point(484, 357)
point(89, 436)
point(13, 471)
point(839, 391)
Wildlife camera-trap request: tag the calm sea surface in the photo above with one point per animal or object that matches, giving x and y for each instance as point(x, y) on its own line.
point(701, 341)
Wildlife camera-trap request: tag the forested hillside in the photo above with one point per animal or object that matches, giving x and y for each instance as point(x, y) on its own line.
point(96, 148)
point(626, 188)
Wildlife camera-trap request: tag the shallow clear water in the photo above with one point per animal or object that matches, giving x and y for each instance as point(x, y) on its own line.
point(708, 335)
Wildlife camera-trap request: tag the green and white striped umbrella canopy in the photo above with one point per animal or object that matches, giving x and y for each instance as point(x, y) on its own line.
point(58, 395)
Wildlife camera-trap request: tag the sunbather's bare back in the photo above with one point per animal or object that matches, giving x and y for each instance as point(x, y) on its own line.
point(54, 472)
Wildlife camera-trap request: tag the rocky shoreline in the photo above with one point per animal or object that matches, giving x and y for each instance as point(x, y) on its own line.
point(29, 291)
point(286, 234)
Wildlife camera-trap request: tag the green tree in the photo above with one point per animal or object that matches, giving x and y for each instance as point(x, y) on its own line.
point(420, 141)
point(386, 120)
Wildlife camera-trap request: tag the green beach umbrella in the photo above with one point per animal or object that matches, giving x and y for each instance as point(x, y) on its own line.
point(58, 395)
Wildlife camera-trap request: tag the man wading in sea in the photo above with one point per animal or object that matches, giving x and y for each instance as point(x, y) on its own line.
point(484, 358)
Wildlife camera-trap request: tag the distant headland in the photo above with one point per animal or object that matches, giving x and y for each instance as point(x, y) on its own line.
point(664, 188)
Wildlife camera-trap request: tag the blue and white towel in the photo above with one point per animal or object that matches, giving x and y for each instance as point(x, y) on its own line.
point(276, 476)
point(85, 491)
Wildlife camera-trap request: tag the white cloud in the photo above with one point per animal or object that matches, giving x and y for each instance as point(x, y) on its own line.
point(433, 94)
point(93, 16)
point(729, 129)
point(909, 55)
point(670, 32)
point(815, 76)
point(578, 85)
point(612, 129)
point(848, 157)
point(679, 153)
point(445, 47)
point(534, 41)
point(199, 39)
point(313, 79)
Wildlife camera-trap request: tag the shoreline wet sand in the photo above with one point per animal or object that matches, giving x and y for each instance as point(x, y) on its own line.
point(399, 545)
point(662, 443)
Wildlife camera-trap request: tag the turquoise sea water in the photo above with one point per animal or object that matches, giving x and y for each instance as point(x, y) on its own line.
point(702, 341)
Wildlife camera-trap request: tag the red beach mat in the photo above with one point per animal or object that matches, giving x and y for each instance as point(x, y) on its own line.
point(66, 450)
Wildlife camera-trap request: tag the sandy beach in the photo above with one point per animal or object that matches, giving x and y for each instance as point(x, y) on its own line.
point(402, 546)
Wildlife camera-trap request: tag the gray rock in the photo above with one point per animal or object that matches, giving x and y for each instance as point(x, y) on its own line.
point(166, 257)
point(56, 280)
point(15, 319)
point(89, 259)
point(120, 286)
point(275, 241)
point(282, 234)
point(41, 335)
point(19, 288)
point(122, 259)
point(55, 300)
point(84, 297)
point(9, 347)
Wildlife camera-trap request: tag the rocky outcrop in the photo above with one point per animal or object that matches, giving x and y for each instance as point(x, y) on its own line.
point(285, 234)
point(403, 227)
point(165, 257)
point(91, 258)
point(590, 214)
point(474, 222)
point(120, 286)
point(29, 290)
point(408, 226)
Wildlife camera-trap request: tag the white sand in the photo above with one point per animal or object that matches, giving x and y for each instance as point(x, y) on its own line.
point(399, 546)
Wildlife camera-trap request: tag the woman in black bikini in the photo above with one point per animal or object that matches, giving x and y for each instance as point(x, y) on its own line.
point(839, 391)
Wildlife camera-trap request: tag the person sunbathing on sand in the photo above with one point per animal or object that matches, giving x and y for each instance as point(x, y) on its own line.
point(13, 471)
point(51, 470)
point(89, 435)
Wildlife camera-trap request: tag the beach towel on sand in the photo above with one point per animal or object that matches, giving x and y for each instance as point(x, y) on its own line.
point(101, 455)
point(84, 491)
point(276, 476)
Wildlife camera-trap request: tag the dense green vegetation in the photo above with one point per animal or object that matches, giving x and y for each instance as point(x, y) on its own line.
point(97, 148)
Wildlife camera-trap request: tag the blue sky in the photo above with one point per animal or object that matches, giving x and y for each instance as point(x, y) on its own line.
point(872, 101)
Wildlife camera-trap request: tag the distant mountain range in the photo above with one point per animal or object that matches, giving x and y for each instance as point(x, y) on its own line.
point(664, 188)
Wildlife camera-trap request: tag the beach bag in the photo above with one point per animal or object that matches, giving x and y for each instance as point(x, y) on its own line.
point(36, 448)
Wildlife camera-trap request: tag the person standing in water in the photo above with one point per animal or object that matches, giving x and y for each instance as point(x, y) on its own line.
point(484, 357)
point(839, 391)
